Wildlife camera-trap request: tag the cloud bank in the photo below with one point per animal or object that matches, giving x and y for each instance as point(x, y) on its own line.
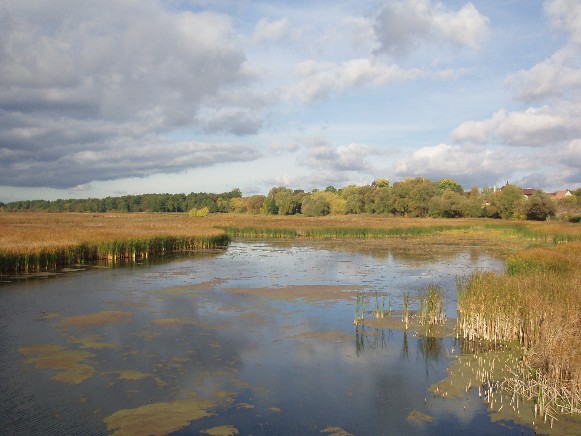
point(91, 90)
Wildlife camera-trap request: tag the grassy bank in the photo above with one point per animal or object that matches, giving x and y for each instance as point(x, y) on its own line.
point(43, 241)
point(31, 242)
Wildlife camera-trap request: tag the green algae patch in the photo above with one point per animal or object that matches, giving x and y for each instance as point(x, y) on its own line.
point(170, 322)
point(221, 430)
point(130, 374)
point(158, 418)
point(336, 431)
point(72, 364)
point(245, 406)
point(293, 293)
point(92, 341)
point(416, 416)
point(193, 289)
point(96, 319)
point(328, 336)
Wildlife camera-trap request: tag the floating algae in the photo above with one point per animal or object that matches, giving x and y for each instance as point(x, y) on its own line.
point(130, 374)
point(196, 287)
point(158, 418)
point(336, 431)
point(92, 341)
point(72, 362)
point(165, 322)
point(99, 318)
point(328, 336)
point(293, 293)
point(221, 430)
point(416, 416)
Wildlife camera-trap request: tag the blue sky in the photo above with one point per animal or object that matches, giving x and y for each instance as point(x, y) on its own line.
point(106, 98)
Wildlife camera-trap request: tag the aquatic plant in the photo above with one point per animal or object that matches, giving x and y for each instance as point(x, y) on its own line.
point(539, 305)
point(431, 307)
point(359, 309)
point(379, 306)
point(406, 310)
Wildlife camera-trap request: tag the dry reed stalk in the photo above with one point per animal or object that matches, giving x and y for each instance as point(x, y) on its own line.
point(540, 306)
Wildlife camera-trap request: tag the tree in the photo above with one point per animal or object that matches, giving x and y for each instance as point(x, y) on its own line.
point(449, 185)
point(420, 196)
point(285, 201)
point(508, 202)
point(380, 183)
point(315, 205)
point(254, 203)
point(538, 207)
point(452, 204)
point(383, 201)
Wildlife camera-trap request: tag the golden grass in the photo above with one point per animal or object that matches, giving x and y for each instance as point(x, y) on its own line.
point(44, 241)
point(24, 232)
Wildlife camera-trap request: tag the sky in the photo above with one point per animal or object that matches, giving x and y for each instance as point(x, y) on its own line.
point(115, 97)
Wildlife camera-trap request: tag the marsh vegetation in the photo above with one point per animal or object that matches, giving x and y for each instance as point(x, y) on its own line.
point(532, 306)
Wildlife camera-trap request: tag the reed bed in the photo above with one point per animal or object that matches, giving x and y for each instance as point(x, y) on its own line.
point(537, 303)
point(32, 242)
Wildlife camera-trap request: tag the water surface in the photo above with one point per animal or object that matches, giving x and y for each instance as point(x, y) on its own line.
point(258, 338)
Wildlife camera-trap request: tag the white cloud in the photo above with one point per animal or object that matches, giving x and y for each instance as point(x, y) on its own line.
point(566, 15)
point(351, 157)
point(267, 31)
point(402, 25)
point(468, 165)
point(319, 80)
point(559, 76)
point(534, 127)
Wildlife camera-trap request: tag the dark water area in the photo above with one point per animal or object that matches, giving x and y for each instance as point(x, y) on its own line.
point(259, 337)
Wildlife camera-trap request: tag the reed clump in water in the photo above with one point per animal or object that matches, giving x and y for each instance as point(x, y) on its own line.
point(538, 303)
point(431, 307)
point(359, 309)
point(406, 310)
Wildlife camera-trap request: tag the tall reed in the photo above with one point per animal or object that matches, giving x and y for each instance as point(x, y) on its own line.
point(538, 303)
point(431, 306)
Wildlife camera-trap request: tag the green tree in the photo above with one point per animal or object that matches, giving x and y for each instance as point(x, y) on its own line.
point(383, 200)
point(450, 185)
point(508, 202)
point(380, 183)
point(315, 205)
point(420, 196)
point(452, 204)
point(538, 207)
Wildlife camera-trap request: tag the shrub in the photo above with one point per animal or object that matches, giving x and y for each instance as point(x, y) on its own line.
point(204, 211)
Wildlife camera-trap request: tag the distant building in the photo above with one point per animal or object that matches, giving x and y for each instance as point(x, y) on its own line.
point(559, 195)
point(528, 192)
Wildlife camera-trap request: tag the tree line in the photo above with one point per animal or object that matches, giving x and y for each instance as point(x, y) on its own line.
point(411, 197)
point(132, 203)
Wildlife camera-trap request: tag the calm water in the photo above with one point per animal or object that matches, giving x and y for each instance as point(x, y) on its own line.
point(105, 340)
